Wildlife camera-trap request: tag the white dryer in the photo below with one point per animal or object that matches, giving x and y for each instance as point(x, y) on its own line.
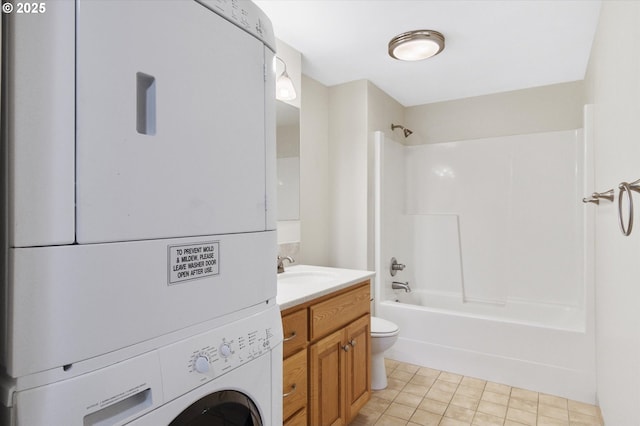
point(231, 375)
point(139, 193)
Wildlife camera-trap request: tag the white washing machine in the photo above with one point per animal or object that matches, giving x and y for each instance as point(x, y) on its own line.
point(231, 375)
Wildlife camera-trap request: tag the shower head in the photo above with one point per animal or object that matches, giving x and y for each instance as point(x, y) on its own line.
point(406, 131)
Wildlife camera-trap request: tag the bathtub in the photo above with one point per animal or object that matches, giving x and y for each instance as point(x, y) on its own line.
point(502, 286)
point(537, 347)
point(545, 315)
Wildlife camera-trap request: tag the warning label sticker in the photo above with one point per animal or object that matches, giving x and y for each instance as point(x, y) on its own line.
point(193, 261)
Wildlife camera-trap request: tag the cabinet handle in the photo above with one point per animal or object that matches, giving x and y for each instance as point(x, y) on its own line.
point(292, 391)
point(346, 348)
point(293, 336)
point(352, 342)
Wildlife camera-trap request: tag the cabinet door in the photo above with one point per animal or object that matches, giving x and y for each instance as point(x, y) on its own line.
point(328, 363)
point(294, 383)
point(358, 382)
point(170, 123)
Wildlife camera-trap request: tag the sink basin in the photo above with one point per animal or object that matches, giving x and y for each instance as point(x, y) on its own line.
point(302, 283)
point(306, 277)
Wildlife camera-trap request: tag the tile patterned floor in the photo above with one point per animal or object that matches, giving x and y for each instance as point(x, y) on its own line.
point(423, 396)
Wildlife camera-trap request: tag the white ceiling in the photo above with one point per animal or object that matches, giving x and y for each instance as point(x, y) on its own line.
point(491, 45)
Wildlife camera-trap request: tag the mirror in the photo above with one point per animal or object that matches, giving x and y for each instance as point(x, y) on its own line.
point(288, 161)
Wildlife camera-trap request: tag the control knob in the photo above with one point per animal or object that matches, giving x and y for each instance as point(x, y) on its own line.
point(202, 364)
point(225, 350)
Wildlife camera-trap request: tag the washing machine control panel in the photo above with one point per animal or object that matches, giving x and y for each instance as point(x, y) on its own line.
point(199, 359)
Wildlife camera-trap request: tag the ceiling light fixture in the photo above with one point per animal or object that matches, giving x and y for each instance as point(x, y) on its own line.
point(284, 86)
point(416, 45)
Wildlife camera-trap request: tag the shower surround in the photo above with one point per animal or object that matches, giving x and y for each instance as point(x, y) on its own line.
point(495, 240)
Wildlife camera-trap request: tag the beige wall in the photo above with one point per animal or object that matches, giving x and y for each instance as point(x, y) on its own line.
point(348, 174)
point(540, 109)
point(357, 109)
point(315, 205)
point(613, 85)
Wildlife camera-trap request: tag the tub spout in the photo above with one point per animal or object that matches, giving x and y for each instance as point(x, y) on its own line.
point(396, 285)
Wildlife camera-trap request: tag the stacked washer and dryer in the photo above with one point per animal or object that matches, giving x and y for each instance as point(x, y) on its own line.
point(139, 247)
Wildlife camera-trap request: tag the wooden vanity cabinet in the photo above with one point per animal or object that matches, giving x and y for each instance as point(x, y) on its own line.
point(338, 356)
point(340, 374)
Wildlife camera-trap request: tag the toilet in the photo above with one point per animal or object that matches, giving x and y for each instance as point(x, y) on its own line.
point(383, 335)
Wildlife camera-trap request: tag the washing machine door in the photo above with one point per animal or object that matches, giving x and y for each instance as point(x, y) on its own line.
point(223, 408)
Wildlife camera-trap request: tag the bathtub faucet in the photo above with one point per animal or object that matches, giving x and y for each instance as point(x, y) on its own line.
point(395, 267)
point(396, 285)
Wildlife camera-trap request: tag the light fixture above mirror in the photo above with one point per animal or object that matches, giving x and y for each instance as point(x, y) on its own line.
point(416, 45)
point(284, 86)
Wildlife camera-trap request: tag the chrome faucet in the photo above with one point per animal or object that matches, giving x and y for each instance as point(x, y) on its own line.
point(281, 259)
point(397, 285)
point(395, 267)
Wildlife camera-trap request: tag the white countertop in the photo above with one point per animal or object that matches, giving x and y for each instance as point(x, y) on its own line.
point(301, 283)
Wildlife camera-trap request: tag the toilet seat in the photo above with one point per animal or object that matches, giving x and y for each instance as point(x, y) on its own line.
point(383, 328)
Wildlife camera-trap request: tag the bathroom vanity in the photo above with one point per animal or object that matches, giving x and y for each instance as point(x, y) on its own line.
point(327, 346)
